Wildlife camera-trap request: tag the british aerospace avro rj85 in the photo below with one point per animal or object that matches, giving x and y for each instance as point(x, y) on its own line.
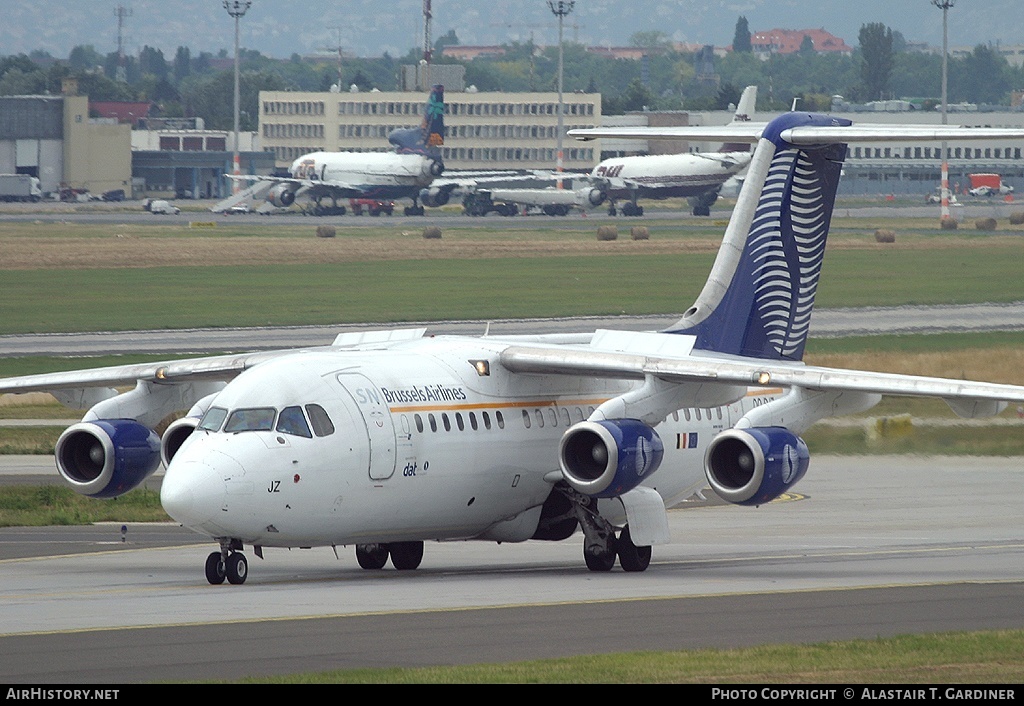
point(387, 440)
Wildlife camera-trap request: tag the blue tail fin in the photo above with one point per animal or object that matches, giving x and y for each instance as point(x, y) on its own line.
point(757, 301)
point(429, 136)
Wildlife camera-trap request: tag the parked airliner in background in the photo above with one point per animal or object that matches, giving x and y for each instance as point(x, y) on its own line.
point(697, 176)
point(386, 440)
point(410, 171)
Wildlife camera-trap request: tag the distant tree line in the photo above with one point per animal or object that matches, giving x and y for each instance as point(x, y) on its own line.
point(664, 79)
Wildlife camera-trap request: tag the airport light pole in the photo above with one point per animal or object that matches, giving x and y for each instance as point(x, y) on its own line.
point(237, 9)
point(944, 5)
point(560, 8)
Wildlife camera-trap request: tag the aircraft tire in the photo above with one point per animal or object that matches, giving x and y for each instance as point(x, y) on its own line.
point(237, 568)
point(602, 560)
point(215, 571)
point(632, 557)
point(406, 556)
point(372, 556)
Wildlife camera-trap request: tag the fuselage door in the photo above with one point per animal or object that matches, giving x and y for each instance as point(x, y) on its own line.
point(379, 425)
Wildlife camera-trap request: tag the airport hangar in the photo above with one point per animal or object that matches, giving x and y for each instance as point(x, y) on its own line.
point(67, 142)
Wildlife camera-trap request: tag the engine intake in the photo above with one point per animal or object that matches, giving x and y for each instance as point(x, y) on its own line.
point(608, 458)
point(108, 457)
point(174, 436)
point(596, 197)
point(282, 195)
point(754, 466)
point(434, 197)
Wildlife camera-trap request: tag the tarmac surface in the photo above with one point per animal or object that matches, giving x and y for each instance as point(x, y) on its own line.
point(871, 546)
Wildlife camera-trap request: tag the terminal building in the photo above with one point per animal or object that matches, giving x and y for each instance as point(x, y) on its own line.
point(53, 139)
point(485, 130)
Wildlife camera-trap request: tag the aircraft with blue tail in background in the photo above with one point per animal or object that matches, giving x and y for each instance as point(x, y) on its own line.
point(411, 170)
point(387, 440)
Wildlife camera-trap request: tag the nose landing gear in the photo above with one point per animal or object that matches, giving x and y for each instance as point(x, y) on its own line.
point(229, 563)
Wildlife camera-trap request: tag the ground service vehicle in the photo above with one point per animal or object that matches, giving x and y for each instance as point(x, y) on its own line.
point(19, 187)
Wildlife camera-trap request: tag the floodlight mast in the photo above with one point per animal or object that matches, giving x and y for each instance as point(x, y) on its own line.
point(945, 5)
point(237, 9)
point(560, 8)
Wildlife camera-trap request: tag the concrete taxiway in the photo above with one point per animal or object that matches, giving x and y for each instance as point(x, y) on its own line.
point(870, 546)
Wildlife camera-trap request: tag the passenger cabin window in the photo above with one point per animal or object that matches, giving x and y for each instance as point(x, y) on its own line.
point(255, 419)
point(293, 422)
point(213, 418)
point(318, 417)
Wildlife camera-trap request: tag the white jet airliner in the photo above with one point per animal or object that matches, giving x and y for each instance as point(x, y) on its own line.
point(386, 440)
point(697, 176)
point(410, 171)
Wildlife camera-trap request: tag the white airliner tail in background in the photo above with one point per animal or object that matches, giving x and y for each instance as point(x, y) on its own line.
point(697, 176)
point(387, 440)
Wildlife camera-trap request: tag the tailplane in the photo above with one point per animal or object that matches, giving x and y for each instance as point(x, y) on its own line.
point(744, 109)
point(429, 136)
point(757, 301)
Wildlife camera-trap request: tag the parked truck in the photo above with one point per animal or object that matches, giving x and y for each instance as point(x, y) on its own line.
point(988, 185)
point(19, 187)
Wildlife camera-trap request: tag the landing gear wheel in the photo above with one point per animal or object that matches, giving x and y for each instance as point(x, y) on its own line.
point(632, 557)
point(237, 568)
point(372, 556)
point(406, 556)
point(600, 560)
point(215, 571)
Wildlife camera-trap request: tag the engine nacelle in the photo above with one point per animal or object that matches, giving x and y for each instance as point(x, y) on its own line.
point(107, 457)
point(433, 168)
point(282, 195)
point(756, 465)
point(434, 197)
point(596, 197)
point(174, 436)
point(608, 458)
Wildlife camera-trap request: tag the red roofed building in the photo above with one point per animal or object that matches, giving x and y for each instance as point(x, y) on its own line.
point(124, 112)
point(788, 41)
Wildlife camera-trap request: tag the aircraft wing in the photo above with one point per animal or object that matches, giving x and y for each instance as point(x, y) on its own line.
point(207, 368)
point(752, 132)
point(627, 355)
point(224, 367)
point(331, 187)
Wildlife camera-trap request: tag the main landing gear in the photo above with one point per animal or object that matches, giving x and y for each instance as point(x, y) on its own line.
point(405, 556)
point(601, 547)
point(229, 563)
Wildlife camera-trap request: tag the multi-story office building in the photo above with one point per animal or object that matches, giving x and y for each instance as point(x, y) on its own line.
point(485, 130)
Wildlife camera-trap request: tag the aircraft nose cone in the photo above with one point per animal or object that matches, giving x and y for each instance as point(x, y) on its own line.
point(192, 494)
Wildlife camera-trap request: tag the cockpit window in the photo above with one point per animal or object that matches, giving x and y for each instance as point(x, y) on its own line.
point(292, 422)
point(256, 419)
point(322, 424)
point(213, 418)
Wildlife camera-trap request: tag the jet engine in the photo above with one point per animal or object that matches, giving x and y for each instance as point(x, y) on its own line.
point(434, 197)
point(282, 195)
point(756, 465)
point(608, 458)
point(107, 457)
point(596, 197)
point(175, 435)
point(433, 168)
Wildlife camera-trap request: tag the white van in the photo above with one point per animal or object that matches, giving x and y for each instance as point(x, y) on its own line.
point(163, 207)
